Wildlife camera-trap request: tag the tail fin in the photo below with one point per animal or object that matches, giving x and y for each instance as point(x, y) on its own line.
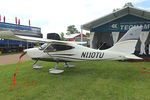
point(128, 42)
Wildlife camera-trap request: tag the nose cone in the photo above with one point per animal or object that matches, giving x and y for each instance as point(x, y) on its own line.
point(34, 52)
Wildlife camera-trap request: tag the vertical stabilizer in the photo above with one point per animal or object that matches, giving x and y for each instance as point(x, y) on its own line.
point(128, 42)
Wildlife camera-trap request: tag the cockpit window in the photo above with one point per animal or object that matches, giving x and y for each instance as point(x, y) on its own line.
point(42, 47)
point(57, 47)
point(50, 48)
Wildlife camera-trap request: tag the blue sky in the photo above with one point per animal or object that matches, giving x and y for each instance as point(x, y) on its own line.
point(56, 15)
point(144, 4)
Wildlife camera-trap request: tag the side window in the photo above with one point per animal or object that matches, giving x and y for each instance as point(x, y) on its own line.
point(50, 48)
point(42, 47)
point(57, 47)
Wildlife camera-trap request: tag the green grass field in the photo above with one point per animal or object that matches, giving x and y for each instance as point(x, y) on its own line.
point(97, 80)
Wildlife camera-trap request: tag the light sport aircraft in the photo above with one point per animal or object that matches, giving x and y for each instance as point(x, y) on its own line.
point(63, 51)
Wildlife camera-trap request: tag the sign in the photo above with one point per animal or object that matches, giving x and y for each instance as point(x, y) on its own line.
point(124, 26)
point(9, 26)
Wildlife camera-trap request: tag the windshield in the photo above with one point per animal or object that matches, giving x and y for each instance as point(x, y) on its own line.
point(57, 47)
point(42, 47)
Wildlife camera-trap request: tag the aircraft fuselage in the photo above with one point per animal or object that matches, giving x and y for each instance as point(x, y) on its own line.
point(79, 53)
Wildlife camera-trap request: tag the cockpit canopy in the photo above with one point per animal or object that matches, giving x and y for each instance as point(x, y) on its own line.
point(53, 47)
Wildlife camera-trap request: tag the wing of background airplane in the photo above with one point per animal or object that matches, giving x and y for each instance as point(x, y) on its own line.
point(12, 36)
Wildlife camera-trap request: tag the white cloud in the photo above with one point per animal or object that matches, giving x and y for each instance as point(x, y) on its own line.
point(148, 9)
point(56, 15)
point(137, 1)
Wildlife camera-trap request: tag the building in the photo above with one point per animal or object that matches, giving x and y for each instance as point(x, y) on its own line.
point(107, 30)
point(13, 45)
point(21, 29)
point(75, 37)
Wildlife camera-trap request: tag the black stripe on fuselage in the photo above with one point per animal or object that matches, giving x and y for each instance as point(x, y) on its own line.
point(50, 60)
point(64, 54)
point(60, 59)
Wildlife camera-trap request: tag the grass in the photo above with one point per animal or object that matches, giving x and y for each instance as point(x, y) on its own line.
point(94, 80)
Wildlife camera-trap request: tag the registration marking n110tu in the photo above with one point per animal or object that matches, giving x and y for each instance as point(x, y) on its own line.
point(92, 55)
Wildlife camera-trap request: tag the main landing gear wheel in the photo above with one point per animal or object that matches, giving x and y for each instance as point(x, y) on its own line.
point(66, 65)
point(55, 70)
point(36, 66)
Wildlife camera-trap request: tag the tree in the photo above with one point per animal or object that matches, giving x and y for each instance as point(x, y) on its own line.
point(72, 29)
point(116, 9)
point(62, 36)
point(88, 34)
point(68, 33)
point(129, 4)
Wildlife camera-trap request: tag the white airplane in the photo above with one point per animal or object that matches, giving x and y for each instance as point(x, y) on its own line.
point(64, 51)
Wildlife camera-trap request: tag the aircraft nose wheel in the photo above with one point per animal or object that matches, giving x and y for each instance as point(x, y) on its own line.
point(55, 70)
point(36, 66)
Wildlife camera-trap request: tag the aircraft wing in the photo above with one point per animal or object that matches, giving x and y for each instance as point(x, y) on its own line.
point(12, 36)
point(47, 40)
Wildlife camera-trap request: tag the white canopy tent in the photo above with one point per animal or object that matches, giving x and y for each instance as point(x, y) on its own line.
point(115, 36)
point(143, 38)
